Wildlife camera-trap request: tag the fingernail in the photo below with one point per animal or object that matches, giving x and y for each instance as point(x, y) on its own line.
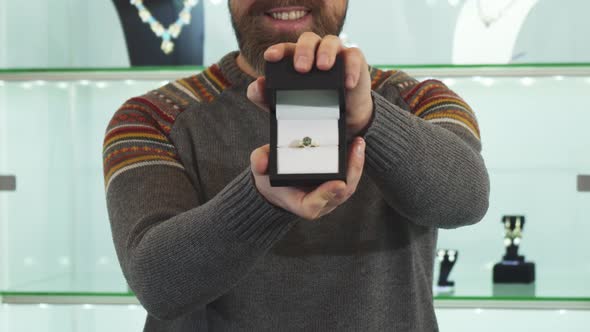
point(301, 61)
point(255, 88)
point(337, 192)
point(360, 149)
point(349, 81)
point(323, 60)
point(271, 52)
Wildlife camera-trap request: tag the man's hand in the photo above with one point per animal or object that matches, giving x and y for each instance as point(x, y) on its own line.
point(312, 50)
point(310, 204)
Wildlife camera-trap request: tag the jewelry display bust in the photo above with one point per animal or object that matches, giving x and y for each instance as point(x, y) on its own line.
point(147, 48)
point(487, 30)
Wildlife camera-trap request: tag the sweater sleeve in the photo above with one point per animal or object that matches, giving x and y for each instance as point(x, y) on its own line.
point(178, 254)
point(423, 152)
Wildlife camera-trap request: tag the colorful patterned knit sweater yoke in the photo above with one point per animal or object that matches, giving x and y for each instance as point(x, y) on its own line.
point(204, 251)
point(139, 132)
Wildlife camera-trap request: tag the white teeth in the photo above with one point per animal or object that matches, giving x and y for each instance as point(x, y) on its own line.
point(288, 16)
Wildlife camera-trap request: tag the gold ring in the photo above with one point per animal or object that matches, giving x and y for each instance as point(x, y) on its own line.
point(307, 142)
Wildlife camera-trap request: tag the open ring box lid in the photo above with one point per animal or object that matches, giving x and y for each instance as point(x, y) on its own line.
point(306, 105)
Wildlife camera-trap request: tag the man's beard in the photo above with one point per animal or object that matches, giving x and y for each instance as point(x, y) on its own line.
point(254, 37)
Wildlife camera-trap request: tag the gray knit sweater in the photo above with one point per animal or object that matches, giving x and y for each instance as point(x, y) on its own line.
point(204, 251)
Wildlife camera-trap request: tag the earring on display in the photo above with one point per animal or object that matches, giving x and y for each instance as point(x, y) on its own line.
point(441, 255)
point(507, 232)
point(518, 228)
point(451, 254)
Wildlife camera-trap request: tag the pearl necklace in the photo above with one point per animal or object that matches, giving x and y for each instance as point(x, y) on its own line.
point(488, 20)
point(173, 31)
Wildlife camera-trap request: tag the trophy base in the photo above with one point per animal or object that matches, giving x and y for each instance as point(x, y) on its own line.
point(514, 273)
point(514, 290)
point(444, 290)
point(445, 283)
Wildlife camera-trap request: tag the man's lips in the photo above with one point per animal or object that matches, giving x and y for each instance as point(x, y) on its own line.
point(288, 9)
point(289, 18)
point(288, 13)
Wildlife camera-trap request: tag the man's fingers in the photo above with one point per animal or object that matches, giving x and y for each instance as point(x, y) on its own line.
point(314, 202)
point(279, 51)
point(354, 173)
point(327, 210)
point(354, 60)
point(305, 50)
point(327, 52)
point(256, 93)
point(356, 162)
point(309, 50)
point(259, 160)
point(323, 199)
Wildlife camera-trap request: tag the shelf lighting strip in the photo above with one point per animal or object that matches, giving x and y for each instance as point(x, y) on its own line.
point(150, 75)
point(512, 304)
point(69, 300)
point(477, 304)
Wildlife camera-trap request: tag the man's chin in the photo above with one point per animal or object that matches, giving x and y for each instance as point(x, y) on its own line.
point(272, 36)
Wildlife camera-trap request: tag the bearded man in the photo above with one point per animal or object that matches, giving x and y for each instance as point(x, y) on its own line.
point(207, 244)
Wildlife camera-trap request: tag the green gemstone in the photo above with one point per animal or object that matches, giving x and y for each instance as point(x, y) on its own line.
point(306, 141)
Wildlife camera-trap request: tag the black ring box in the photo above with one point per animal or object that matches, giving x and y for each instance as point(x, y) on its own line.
point(282, 76)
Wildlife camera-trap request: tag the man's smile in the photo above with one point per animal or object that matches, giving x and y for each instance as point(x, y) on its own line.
point(289, 18)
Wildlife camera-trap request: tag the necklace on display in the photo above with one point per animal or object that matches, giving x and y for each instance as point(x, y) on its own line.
point(173, 31)
point(488, 20)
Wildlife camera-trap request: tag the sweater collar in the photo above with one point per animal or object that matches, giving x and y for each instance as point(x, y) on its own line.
point(232, 72)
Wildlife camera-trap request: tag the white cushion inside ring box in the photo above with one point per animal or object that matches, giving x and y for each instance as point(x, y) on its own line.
point(320, 160)
point(310, 113)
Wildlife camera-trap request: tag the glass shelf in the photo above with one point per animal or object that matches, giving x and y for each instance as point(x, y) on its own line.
point(4, 71)
point(170, 72)
point(98, 318)
point(54, 232)
point(71, 318)
point(88, 33)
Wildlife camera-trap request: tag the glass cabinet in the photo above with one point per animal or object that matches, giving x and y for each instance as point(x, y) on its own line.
point(55, 239)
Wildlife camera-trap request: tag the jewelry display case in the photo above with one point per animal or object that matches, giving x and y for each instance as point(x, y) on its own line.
point(58, 267)
point(153, 43)
point(82, 34)
point(56, 246)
